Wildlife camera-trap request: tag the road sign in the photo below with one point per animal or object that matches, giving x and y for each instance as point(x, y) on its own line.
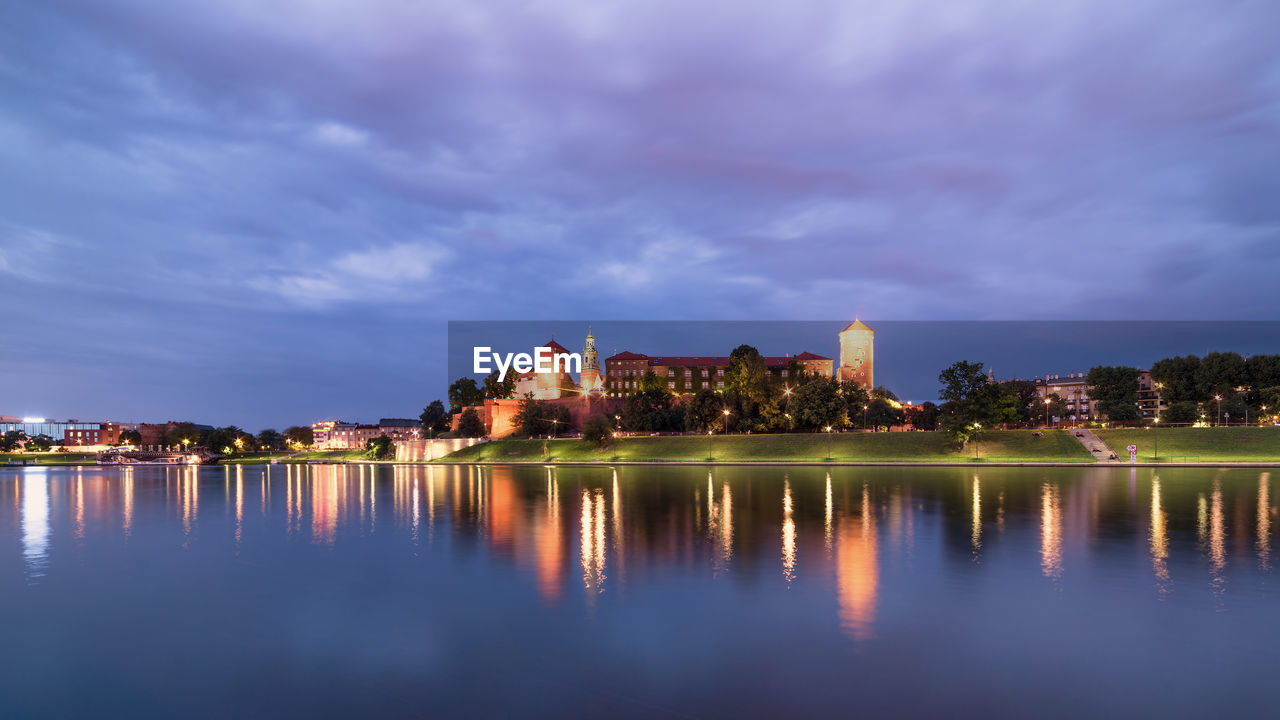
point(1133, 453)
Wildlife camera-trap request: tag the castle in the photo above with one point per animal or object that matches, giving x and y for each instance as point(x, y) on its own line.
point(595, 392)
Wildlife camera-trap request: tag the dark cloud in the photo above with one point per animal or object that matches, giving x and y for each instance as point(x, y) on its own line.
point(303, 175)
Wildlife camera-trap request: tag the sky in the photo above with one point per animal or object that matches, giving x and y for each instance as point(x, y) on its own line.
point(267, 213)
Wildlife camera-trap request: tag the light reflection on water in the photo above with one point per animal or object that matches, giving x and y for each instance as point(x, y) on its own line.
point(846, 558)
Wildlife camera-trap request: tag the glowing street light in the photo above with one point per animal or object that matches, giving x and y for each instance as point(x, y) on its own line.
point(1155, 431)
point(828, 443)
point(726, 420)
point(1219, 399)
point(864, 416)
point(711, 456)
point(1047, 402)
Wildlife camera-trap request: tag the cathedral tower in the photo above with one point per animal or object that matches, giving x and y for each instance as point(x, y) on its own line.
point(591, 382)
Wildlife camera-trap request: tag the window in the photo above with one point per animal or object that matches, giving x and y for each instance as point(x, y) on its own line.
point(705, 372)
point(688, 372)
point(784, 372)
point(706, 386)
point(720, 384)
point(719, 372)
point(671, 385)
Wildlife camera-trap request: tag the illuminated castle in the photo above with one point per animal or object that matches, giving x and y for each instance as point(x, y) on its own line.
point(857, 354)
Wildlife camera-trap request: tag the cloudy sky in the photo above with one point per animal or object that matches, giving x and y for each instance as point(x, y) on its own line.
point(265, 213)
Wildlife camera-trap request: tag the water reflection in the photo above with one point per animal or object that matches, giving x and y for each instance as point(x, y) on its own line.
point(857, 569)
point(35, 521)
point(1050, 531)
point(632, 526)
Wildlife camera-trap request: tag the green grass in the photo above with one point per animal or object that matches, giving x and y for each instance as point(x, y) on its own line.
point(296, 458)
point(995, 446)
point(1215, 444)
point(50, 458)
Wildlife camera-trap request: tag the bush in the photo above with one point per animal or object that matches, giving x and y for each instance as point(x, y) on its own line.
point(470, 425)
point(597, 431)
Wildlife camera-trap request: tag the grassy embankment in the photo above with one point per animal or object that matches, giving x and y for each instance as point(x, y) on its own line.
point(995, 446)
point(258, 458)
point(1185, 444)
point(50, 458)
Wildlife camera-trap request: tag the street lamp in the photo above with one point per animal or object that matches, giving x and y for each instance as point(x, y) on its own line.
point(711, 456)
point(1047, 402)
point(726, 419)
point(828, 443)
point(864, 416)
point(1219, 399)
point(1155, 430)
point(976, 454)
point(788, 417)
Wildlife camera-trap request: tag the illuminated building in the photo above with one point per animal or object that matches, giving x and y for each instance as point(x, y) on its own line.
point(689, 374)
point(857, 354)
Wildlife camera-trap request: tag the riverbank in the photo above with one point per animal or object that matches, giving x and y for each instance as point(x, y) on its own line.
point(1194, 447)
point(1007, 446)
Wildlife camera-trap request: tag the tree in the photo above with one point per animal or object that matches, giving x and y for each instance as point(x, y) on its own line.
point(1178, 377)
point(269, 439)
point(434, 418)
point(130, 437)
point(300, 435)
point(1030, 407)
point(495, 388)
point(188, 431)
point(1263, 372)
point(40, 443)
point(652, 410)
point(703, 410)
point(470, 425)
point(379, 448)
point(464, 393)
point(1114, 392)
point(13, 440)
point(924, 417)
point(972, 402)
point(748, 387)
point(882, 412)
point(597, 431)
point(856, 399)
point(1057, 407)
point(649, 383)
point(1220, 374)
point(818, 404)
point(1179, 413)
point(535, 417)
point(229, 439)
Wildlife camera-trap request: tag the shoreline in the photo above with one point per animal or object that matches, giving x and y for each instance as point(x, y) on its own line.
point(727, 463)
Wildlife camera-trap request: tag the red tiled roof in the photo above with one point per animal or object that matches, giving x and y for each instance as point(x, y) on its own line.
point(810, 356)
point(626, 355)
point(556, 347)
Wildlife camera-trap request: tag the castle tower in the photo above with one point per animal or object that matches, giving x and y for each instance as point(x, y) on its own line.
point(857, 354)
point(591, 382)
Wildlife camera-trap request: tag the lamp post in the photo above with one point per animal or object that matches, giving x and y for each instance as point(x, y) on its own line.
point(828, 443)
point(788, 417)
point(1047, 402)
point(977, 427)
point(1219, 399)
point(1155, 430)
point(725, 413)
point(864, 416)
point(711, 456)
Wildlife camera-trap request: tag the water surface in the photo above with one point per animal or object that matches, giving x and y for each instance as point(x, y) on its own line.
point(637, 592)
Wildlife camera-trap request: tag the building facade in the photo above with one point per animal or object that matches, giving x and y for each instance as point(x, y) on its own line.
point(684, 375)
